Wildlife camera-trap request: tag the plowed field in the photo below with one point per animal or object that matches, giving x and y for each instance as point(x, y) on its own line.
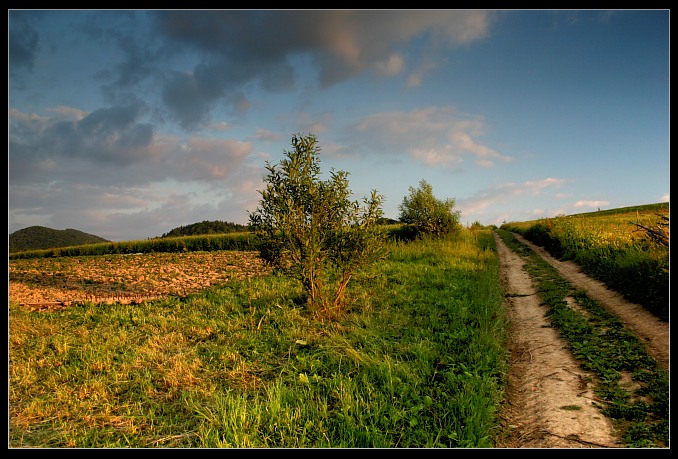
point(47, 283)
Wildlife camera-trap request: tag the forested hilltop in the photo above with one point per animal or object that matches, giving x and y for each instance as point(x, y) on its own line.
point(41, 237)
point(206, 227)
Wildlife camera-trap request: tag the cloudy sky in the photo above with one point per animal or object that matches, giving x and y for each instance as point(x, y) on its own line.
point(128, 123)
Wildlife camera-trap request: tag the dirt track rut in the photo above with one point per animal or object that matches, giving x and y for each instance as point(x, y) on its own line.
point(550, 399)
point(653, 331)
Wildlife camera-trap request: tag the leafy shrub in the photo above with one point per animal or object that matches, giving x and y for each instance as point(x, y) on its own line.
point(311, 230)
point(427, 214)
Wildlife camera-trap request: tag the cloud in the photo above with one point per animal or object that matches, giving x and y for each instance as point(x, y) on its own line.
point(264, 135)
point(316, 123)
point(239, 48)
point(108, 136)
point(594, 204)
point(23, 42)
point(115, 144)
point(433, 136)
point(189, 62)
point(102, 170)
point(211, 159)
point(173, 181)
point(505, 193)
point(391, 66)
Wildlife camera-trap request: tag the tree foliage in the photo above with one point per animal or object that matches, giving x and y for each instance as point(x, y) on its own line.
point(310, 228)
point(427, 214)
point(206, 227)
point(41, 237)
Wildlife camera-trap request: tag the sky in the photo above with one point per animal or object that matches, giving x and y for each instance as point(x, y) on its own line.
point(126, 124)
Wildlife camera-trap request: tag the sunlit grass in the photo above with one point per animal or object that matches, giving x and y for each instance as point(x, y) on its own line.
point(418, 361)
point(611, 248)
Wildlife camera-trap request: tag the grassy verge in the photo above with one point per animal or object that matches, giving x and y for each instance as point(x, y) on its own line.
point(419, 361)
point(603, 346)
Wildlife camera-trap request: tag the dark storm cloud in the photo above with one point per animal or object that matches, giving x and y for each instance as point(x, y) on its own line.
point(23, 44)
point(187, 100)
point(137, 65)
point(108, 136)
point(241, 47)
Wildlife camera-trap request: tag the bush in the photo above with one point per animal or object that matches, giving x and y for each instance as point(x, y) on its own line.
point(311, 231)
point(427, 214)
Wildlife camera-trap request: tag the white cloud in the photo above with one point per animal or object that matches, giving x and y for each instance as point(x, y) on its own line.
point(69, 113)
point(505, 193)
point(433, 136)
point(264, 135)
point(211, 159)
point(593, 204)
point(391, 66)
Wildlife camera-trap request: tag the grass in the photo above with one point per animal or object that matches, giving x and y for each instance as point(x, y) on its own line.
point(419, 360)
point(611, 248)
point(602, 345)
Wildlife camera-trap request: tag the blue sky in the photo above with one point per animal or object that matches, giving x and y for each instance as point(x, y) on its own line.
point(126, 124)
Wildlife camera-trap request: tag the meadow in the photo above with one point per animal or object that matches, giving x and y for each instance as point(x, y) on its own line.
point(419, 361)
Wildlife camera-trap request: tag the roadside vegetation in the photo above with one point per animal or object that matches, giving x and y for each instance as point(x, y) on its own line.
point(633, 389)
point(627, 249)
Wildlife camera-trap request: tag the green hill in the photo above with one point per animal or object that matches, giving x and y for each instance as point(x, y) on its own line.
point(40, 237)
point(206, 227)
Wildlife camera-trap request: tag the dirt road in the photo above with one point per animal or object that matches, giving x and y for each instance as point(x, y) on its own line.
point(551, 403)
point(653, 331)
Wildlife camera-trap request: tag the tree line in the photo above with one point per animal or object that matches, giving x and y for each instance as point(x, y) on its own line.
point(206, 227)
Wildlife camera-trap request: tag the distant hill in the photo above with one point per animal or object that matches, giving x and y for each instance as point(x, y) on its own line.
point(206, 227)
point(40, 237)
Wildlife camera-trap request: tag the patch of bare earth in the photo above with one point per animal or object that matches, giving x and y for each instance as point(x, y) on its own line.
point(48, 283)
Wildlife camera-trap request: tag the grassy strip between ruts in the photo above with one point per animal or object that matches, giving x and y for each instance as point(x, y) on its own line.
point(603, 346)
point(418, 361)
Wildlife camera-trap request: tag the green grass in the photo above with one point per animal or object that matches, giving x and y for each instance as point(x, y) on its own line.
point(611, 248)
point(419, 360)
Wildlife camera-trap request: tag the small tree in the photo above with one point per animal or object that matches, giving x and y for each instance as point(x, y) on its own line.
point(311, 230)
point(426, 214)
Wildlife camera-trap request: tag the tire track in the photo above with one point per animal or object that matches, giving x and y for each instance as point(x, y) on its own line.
point(550, 399)
point(652, 331)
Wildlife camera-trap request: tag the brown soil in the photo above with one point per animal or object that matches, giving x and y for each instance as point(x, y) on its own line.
point(550, 400)
point(47, 284)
